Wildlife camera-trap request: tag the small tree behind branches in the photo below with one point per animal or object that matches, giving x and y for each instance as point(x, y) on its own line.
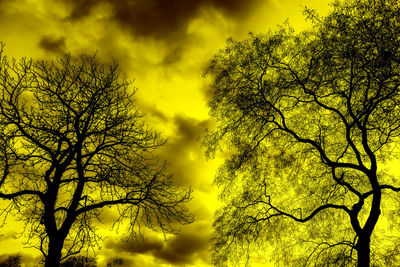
point(73, 142)
point(11, 261)
point(79, 261)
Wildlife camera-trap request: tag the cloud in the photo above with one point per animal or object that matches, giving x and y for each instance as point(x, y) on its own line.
point(173, 56)
point(8, 235)
point(158, 18)
point(190, 129)
point(152, 112)
point(29, 260)
point(188, 247)
point(147, 245)
point(52, 44)
point(185, 248)
point(183, 152)
point(189, 167)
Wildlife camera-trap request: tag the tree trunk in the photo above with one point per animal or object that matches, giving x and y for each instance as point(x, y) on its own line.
point(54, 253)
point(363, 251)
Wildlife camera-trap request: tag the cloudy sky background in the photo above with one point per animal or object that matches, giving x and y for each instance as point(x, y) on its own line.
point(164, 46)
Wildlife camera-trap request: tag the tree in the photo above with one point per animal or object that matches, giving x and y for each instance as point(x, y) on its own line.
point(116, 262)
point(73, 143)
point(310, 119)
point(11, 261)
point(79, 261)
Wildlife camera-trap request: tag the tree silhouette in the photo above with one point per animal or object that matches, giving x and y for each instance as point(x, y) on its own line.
point(310, 118)
point(79, 261)
point(73, 142)
point(11, 261)
point(115, 262)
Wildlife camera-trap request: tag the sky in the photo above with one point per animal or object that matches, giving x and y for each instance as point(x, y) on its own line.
point(163, 46)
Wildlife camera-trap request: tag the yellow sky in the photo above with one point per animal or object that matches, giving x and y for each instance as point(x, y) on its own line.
point(163, 45)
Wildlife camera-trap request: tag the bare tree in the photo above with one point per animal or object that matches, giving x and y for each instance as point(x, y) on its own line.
point(72, 143)
point(310, 118)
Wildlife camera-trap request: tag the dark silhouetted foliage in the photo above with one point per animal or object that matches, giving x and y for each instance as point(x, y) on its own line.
point(11, 261)
point(115, 262)
point(79, 261)
point(72, 143)
point(310, 118)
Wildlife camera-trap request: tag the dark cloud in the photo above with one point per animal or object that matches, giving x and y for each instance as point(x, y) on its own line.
point(190, 129)
point(173, 56)
point(187, 163)
point(8, 235)
point(3, 6)
point(189, 246)
point(151, 111)
point(185, 248)
point(147, 245)
point(53, 44)
point(158, 18)
point(183, 152)
point(82, 8)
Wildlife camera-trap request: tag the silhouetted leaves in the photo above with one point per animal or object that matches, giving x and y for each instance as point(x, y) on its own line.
point(79, 261)
point(115, 262)
point(11, 261)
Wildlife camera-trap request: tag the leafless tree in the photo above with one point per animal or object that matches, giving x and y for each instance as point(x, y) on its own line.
point(310, 118)
point(72, 143)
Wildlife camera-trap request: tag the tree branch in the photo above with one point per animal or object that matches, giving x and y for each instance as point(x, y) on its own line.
point(22, 193)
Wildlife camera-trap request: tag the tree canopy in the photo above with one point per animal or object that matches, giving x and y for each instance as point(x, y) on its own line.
point(310, 120)
point(72, 143)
